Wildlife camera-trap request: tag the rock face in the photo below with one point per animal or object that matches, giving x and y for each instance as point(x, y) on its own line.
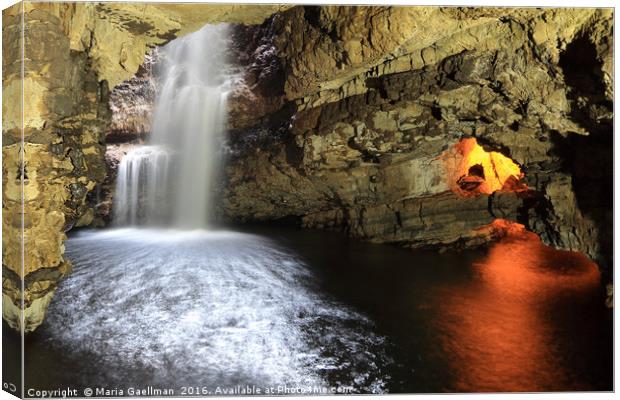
point(132, 103)
point(347, 118)
point(373, 97)
point(53, 160)
point(53, 147)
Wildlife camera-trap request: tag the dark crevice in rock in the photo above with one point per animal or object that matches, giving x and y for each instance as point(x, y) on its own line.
point(584, 78)
point(590, 164)
point(582, 70)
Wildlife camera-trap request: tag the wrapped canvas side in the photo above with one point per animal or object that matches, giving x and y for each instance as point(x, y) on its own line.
point(12, 198)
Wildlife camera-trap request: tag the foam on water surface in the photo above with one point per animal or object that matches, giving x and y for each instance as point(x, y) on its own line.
point(200, 306)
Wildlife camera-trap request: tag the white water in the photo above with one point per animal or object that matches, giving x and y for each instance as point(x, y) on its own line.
point(170, 181)
point(141, 176)
point(210, 308)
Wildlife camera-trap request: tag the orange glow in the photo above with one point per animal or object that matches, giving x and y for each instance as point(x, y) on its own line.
point(501, 228)
point(472, 170)
point(521, 265)
point(503, 340)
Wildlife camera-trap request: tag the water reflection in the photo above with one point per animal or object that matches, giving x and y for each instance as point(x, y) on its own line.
point(501, 332)
point(283, 305)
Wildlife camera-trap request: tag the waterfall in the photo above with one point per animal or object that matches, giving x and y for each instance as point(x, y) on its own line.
point(170, 180)
point(141, 174)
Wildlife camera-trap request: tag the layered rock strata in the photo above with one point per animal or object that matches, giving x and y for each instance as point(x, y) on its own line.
point(372, 96)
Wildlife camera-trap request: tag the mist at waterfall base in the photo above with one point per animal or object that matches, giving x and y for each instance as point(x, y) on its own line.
point(161, 301)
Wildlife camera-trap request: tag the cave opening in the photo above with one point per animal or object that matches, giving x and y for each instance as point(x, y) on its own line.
point(473, 171)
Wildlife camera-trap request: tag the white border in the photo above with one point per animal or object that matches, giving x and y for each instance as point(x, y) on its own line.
point(548, 3)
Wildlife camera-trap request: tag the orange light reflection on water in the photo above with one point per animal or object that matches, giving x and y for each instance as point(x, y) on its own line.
point(498, 335)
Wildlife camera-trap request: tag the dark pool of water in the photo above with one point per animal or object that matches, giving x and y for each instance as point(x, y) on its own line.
point(276, 307)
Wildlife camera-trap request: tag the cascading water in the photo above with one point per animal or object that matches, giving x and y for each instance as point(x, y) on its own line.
point(142, 174)
point(169, 182)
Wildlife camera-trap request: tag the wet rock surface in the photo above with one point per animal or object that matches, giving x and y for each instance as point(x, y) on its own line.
point(132, 103)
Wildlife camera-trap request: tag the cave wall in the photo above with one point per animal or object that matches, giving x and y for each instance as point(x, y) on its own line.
point(342, 120)
point(372, 96)
point(54, 146)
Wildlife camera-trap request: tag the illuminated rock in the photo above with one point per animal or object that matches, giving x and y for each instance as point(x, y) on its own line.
point(472, 170)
